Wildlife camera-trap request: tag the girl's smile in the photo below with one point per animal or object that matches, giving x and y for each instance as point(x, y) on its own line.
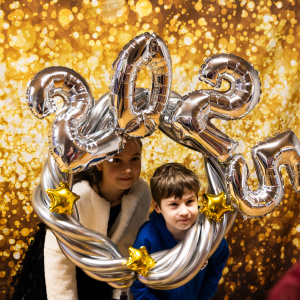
point(122, 171)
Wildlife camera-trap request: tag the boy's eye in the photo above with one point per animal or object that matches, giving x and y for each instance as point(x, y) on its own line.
point(173, 204)
point(190, 201)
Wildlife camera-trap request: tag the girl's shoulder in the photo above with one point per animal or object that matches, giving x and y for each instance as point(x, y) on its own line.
point(81, 185)
point(141, 181)
point(83, 188)
point(140, 187)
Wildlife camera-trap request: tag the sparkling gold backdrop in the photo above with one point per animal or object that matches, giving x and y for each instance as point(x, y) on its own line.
point(87, 36)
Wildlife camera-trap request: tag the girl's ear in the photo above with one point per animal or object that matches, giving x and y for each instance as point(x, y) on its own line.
point(156, 207)
point(99, 167)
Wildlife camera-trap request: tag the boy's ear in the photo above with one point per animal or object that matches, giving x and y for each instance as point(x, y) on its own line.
point(156, 207)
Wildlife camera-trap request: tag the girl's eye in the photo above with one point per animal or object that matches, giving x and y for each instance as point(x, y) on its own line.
point(116, 160)
point(173, 204)
point(191, 201)
point(135, 158)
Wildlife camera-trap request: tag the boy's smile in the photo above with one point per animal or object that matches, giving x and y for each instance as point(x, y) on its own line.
point(179, 213)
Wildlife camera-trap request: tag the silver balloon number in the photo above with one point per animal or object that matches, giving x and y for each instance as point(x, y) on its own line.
point(146, 50)
point(84, 134)
point(187, 120)
point(269, 156)
point(90, 132)
point(71, 149)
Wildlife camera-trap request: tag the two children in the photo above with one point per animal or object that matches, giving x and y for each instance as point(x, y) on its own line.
point(175, 191)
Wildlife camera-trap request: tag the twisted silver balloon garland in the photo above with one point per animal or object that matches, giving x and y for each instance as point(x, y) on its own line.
point(101, 259)
point(84, 134)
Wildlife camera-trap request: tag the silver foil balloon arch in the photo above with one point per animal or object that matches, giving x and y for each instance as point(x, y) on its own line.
point(85, 133)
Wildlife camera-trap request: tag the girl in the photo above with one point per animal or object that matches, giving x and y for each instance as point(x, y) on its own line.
point(114, 201)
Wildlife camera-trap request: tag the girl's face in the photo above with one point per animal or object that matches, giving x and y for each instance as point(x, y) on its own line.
point(124, 169)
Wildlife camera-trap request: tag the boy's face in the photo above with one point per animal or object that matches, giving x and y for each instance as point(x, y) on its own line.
point(179, 214)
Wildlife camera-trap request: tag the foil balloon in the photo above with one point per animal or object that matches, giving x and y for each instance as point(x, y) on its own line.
point(62, 199)
point(269, 156)
point(187, 119)
point(102, 117)
point(140, 261)
point(129, 111)
point(72, 150)
point(101, 259)
point(145, 50)
point(215, 206)
point(215, 172)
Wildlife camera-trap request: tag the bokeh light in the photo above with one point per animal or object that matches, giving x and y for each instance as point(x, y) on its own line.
point(87, 36)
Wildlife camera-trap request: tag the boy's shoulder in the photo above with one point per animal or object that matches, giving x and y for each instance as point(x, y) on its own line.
point(147, 229)
point(146, 226)
point(221, 253)
point(148, 236)
point(223, 247)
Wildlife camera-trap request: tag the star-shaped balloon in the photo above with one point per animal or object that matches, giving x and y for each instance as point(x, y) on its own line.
point(215, 206)
point(62, 199)
point(140, 261)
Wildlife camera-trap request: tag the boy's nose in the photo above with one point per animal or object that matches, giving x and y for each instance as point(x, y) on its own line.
point(183, 211)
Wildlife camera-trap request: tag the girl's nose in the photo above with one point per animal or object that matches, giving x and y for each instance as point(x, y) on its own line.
point(126, 168)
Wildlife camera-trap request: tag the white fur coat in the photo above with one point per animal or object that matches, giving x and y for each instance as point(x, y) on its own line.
point(60, 273)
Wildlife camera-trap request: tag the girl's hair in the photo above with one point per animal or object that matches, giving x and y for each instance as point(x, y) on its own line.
point(173, 179)
point(93, 175)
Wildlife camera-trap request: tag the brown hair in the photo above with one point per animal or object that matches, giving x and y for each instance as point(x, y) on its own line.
point(93, 174)
point(173, 179)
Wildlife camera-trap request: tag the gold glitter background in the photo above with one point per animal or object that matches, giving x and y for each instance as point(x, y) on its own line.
point(87, 36)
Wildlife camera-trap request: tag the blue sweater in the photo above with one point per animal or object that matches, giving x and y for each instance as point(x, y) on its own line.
point(155, 236)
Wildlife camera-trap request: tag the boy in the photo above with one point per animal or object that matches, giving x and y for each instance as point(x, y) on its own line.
point(175, 191)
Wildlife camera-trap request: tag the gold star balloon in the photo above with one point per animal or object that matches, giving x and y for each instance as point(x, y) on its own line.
point(215, 206)
point(140, 261)
point(62, 199)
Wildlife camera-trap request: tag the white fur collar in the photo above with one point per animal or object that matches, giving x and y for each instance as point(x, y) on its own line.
point(94, 210)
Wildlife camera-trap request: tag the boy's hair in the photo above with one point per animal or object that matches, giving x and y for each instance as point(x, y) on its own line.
point(173, 179)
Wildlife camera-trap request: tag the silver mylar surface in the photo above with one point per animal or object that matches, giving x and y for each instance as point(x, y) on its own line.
point(101, 116)
point(145, 50)
point(269, 156)
point(187, 120)
point(101, 259)
point(84, 134)
point(71, 150)
point(244, 91)
point(215, 172)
